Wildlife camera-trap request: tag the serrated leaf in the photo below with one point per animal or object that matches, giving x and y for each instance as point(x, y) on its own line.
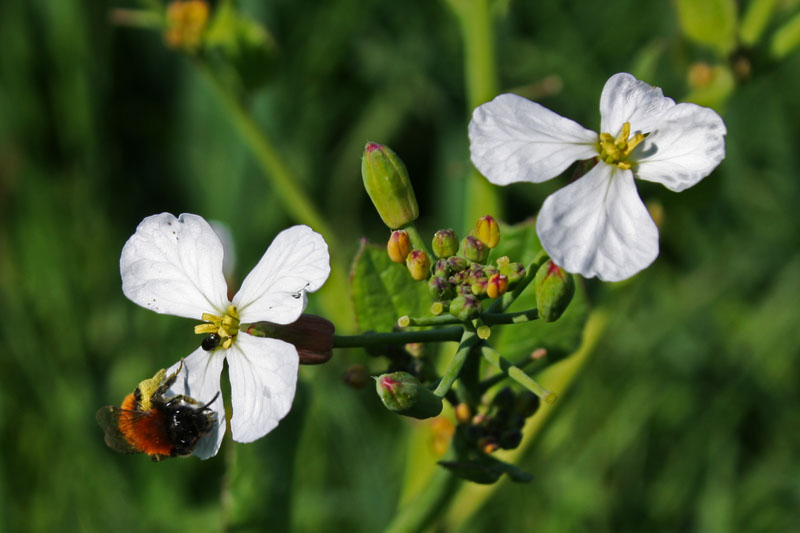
point(562, 337)
point(383, 291)
point(709, 22)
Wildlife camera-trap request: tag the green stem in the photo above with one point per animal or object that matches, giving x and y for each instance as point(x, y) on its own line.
point(494, 357)
point(492, 319)
point(286, 185)
point(416, 239)
point(423, 321)
point(477, 34)
point(399, 337)
point(469, 340)
point(522, 364)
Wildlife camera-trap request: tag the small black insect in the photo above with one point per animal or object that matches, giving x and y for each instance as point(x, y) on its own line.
point(210, 342)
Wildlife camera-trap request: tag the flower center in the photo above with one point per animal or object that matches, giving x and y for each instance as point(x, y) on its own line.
point(226, 326)
point(616, 151)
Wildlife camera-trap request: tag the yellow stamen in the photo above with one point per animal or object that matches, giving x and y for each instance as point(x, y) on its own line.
point(616, 151)
point(226, 326)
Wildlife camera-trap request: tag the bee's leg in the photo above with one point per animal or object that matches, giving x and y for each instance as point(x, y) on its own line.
point(182, 398)
point(169, 381)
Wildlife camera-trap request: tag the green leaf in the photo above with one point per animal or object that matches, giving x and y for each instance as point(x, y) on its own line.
point(709, 22)
point(383, 291)
point(560, 338)
point(756, 18)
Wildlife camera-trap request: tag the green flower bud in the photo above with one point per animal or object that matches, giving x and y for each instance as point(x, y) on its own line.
point(404, 394)
point(457, 264)
point(399, 246)
point(554, 289)
point(419, 265)
point(474, 250)
point(440, 289)
point(510, 439)
point(441, 268)
point(386, 181)
point(445, 243)
point(488, 231)
point(513, 271)
point(465, 306)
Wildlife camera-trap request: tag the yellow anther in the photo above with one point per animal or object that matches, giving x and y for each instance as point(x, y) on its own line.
point(201, 329)
point(616, 151)
point(226, 326)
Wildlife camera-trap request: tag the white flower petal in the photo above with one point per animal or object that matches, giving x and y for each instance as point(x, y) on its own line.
point(263, 375)
point(513, 139)
point(296, 262)
point(687, 145)
point(598, 226)
point(199, 379)
point(626, 99)
point(174, 266)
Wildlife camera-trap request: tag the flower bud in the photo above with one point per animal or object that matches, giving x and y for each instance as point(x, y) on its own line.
point(510, 439)
point(488, 231)
point(186, 23)
point(356, 376)
point(474, 250)
point(399, 246)
point(513, 271)
point(465, 306)
point(440, 289)
point(441, 268)
point(497, 285)
point(463, 413)
point(404, 394)
point(554, 289)
point(445, 243)
point(311, 335)
point(387, 184)
point(419, 265)
point(457, 264)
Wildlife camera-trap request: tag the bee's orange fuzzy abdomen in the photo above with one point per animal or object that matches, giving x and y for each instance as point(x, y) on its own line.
point(145, 430)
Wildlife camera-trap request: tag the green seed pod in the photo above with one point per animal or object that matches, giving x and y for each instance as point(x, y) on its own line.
point(445, 243)
point(386, 181)
point(554, 288)
point(404, 394)
point(474, 249)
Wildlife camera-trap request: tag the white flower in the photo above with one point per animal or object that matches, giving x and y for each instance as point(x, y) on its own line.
point(174, 266)
point(597, 225)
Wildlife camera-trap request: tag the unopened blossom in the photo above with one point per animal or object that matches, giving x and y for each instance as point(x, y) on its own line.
point(174, 266)
point(598, 225)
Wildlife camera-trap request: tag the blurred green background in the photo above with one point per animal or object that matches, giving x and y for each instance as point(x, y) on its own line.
point(687, 415)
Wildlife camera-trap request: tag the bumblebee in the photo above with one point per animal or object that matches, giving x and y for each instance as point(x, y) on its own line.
point(150, 422)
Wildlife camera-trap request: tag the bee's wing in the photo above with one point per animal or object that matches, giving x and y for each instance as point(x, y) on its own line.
point(108, 418)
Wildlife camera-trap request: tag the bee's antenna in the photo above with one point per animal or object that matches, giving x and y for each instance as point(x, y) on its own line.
point(211, 401)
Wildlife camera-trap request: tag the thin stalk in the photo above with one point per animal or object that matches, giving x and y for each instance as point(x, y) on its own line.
point(469, 340)
point(416, 239)
point(398, 337)
point(423, 321)
point(515, 373)
point(285, 183)
point(492, 319)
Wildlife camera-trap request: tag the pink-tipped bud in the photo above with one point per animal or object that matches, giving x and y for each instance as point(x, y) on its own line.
point(399, 246)
point(488, 231)
point(419, 265)
point(497, 285)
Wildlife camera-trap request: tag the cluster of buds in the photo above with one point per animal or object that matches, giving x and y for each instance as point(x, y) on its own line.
point(462, 277)
point(499, 426)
